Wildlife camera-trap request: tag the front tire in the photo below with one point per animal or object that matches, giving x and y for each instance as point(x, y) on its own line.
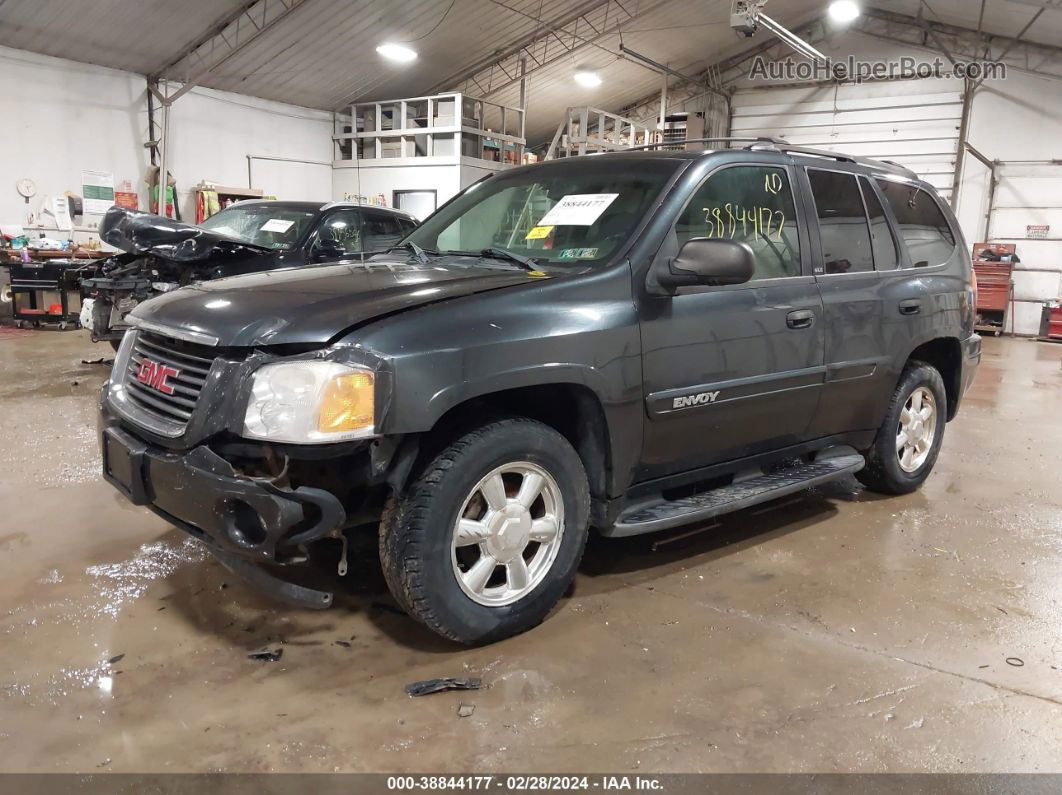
point(909, 440)
point(488, 535)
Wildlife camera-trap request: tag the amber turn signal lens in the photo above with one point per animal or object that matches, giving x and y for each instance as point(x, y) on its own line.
point(347, 404)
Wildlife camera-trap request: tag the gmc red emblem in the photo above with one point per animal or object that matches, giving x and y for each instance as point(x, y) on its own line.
point(155, 375)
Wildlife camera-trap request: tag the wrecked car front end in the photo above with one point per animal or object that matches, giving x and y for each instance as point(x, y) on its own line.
point(160, 255)
point(171, 416)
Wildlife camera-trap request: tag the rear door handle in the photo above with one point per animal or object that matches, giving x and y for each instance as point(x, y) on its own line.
point(912, 306)
point(800, 318)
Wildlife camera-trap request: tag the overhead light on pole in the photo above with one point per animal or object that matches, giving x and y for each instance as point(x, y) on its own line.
point(747, 16)
point(843, 11)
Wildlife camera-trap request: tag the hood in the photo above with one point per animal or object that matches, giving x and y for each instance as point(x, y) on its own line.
point(311, 305)
point(137, 232)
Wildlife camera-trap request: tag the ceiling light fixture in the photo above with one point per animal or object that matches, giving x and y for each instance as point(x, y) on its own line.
point(843, 11)
point(587, 79)
point(397, 52)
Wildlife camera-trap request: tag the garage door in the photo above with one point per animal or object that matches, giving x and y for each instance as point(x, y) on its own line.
point(913, 122)
point(1027, 211)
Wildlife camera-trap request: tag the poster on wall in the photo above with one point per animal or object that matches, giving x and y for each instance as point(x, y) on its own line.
point(126, 199)
point(97, 190)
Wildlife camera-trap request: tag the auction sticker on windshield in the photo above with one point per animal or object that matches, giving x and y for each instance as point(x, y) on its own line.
point(539, 233)
point(277, 225)
point(578, 209)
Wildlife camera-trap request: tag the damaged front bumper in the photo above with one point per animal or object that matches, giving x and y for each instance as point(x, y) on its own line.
point(244, 521)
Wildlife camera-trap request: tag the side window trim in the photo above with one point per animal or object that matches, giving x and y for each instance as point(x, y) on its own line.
point(800, 217)
point(894, 225)
point(902, 260)
point(813, 218)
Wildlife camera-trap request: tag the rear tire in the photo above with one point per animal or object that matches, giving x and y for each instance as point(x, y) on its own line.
point(909, 440)
point(487, 536)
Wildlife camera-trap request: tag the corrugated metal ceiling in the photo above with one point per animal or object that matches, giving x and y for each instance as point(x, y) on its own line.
point(322, 54)
point(1002, 17)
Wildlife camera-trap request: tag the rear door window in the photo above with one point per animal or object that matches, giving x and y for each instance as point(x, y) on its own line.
point(843, 226)
point(750, 204)
point(884, 247)
point(381, 230)
point(921, 223)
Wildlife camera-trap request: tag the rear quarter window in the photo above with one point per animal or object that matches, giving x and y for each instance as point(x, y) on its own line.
point(920, 222)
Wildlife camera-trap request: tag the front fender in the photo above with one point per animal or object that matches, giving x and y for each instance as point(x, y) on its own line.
point(581, 331)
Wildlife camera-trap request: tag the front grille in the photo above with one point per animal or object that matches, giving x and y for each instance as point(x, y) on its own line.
point(190, 360)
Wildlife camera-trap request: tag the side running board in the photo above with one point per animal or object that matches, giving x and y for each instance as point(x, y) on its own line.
point(660, 514)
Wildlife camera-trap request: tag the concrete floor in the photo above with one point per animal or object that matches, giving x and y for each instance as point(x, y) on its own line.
point(836, 631)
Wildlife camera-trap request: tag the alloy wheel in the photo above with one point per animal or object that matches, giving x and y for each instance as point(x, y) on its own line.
point(507, 534)
point(917, 429)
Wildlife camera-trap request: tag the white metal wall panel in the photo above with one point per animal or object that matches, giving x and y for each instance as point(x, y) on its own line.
point(914, 123)
point(1030, 194)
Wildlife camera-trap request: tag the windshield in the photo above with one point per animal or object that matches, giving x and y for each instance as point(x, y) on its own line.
point(577, 213)
point(266, 225)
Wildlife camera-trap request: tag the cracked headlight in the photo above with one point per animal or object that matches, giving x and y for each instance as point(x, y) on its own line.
point(311, 402)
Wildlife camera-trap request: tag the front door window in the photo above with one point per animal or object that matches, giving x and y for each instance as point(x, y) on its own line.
point(750, 204)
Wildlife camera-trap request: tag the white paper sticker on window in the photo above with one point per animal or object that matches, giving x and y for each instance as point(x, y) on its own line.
point(578, 209)
point(277, 225)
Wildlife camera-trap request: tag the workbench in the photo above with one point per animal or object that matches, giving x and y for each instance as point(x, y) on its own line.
point(48, 272)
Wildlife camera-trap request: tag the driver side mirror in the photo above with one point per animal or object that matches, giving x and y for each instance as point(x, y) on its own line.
point(325, 249)
point(707, 261)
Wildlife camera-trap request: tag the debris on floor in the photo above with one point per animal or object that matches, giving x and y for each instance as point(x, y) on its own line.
point(267, 654)
point(466, 710)
point(104, 361)
point(428, 686)
point(115, 659)
point(1017, 662)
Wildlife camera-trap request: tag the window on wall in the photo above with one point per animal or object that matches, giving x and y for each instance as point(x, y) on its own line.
point(921, 223)
point(843, 226)
point(418, 203)
point(750, 204)
point(881, 242)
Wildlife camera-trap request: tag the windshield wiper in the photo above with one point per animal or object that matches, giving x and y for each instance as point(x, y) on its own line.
point(497, 252)
point(418, 252)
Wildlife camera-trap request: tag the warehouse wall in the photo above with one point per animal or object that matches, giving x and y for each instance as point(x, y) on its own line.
point(916, 123)
point(1019, 119)
point(63, 117)
point(213, 132)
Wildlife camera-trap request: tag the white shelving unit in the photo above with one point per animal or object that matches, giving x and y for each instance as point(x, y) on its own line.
point(438, 143)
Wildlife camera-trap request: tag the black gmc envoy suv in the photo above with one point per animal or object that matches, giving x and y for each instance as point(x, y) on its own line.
point(626, 342)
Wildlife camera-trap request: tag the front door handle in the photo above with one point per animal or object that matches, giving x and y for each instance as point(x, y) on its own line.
point(912, 306)
point(800, 318)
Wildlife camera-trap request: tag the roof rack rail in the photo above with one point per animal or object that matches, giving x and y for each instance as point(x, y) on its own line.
point(806, 150)
point(863, 161)
point(774, 144)
point(892, 163)
point(762, 139)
